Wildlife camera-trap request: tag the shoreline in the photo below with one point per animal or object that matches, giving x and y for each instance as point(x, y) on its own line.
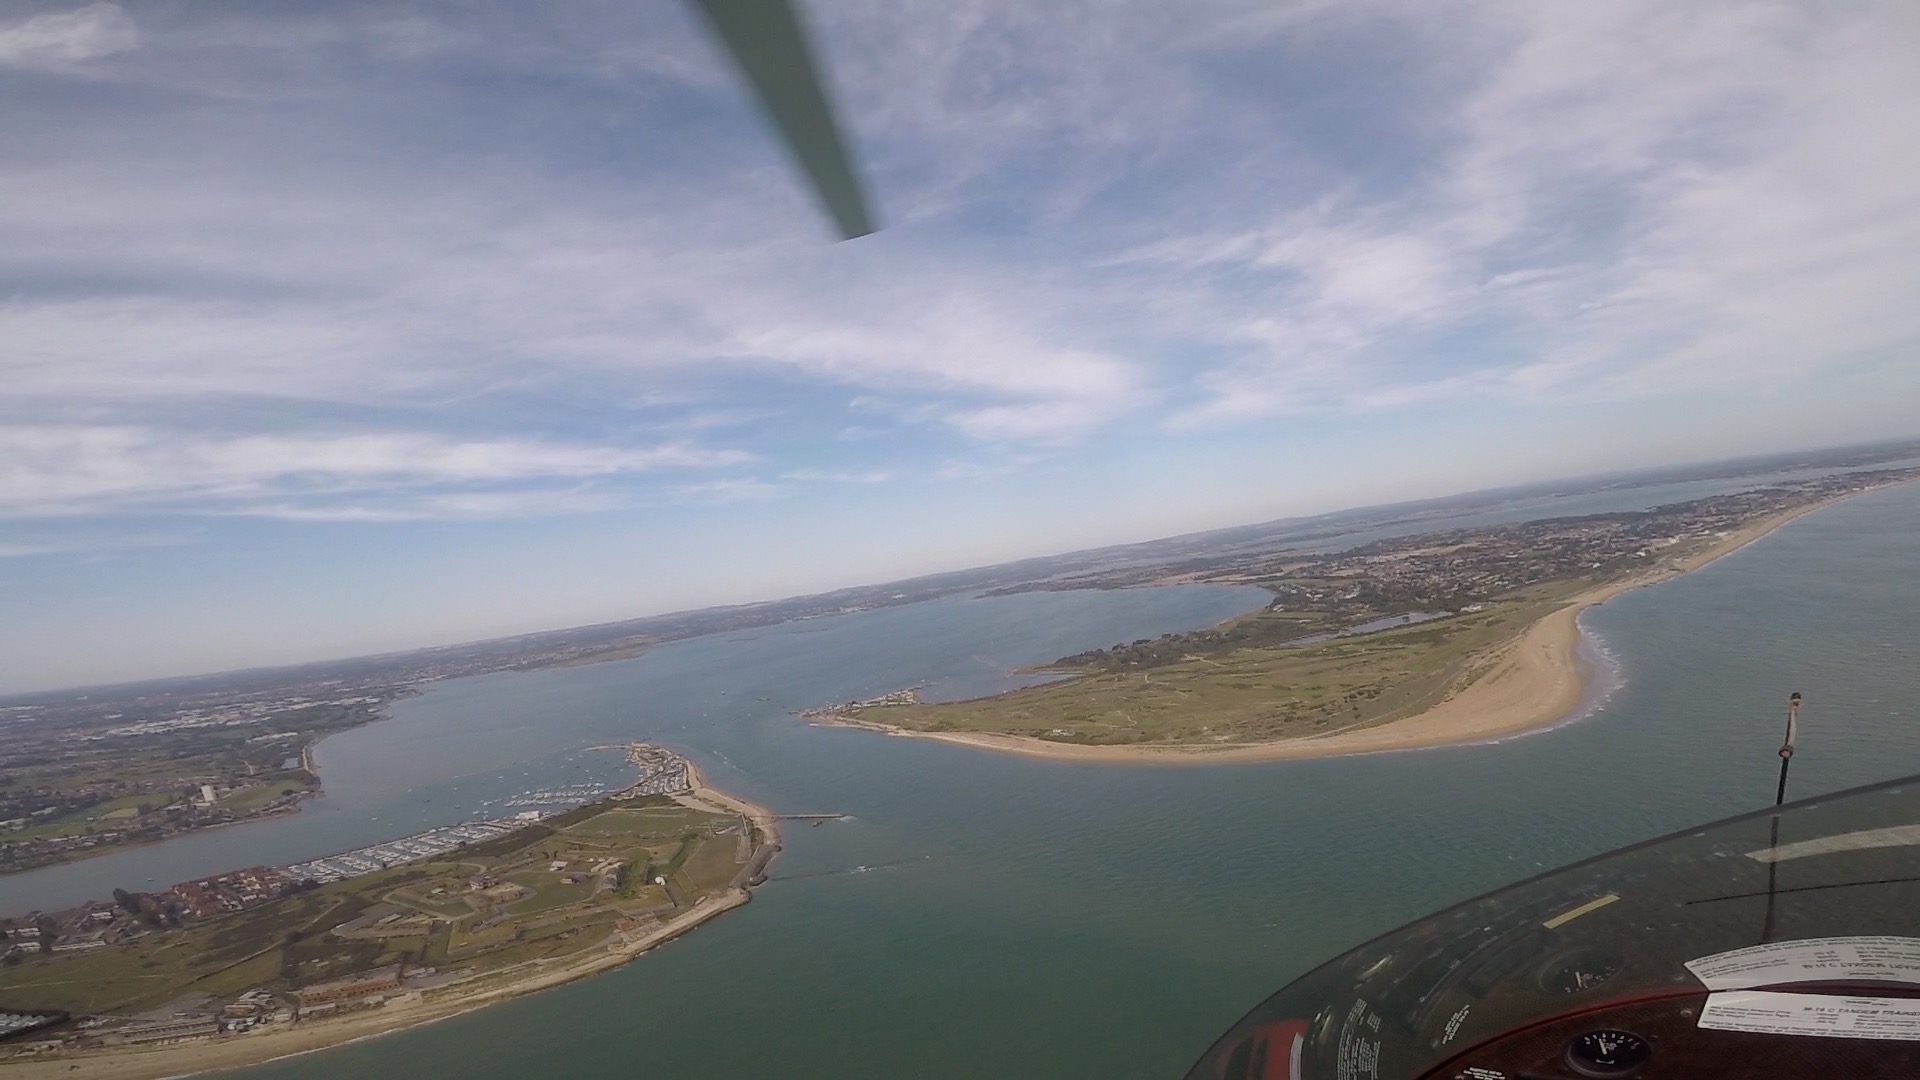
point(761, 817)
point(1534, 682)
point(307, 764)
point(410, 1010)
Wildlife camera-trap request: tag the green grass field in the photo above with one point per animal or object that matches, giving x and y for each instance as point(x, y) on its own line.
point(116, 813)
point(253, 798)
point(288, 943)
point(549, 891)
point(101, 815)
point(1249, 695)
point(639, 822)
point(219, 956)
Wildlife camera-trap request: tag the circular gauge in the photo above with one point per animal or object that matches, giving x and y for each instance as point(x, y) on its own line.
point(1609, 1054)
point(1577, 972)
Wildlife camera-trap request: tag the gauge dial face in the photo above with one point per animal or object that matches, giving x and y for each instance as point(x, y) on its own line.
point(1608, 1054)
point(1579, 972)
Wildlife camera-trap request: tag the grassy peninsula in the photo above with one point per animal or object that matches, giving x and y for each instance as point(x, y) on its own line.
point(327, 962)
point(1408, 640)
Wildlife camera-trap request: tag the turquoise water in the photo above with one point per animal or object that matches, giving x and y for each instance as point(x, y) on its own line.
point(1039, 919)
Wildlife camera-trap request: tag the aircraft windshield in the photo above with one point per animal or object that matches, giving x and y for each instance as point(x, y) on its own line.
point(1646, 928)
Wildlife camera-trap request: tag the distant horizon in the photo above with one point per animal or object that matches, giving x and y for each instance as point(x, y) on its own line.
point(1467, 498)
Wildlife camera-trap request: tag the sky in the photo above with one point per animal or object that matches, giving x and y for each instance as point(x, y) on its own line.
point(332, 328)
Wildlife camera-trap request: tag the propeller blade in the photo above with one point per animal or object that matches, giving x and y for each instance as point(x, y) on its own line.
point(768, 43)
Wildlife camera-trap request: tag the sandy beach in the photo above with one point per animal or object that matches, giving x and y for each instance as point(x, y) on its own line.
point(410, 1010)
point(1533, 681)
point(715, 799)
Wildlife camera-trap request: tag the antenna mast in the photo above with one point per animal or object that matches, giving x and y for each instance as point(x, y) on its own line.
point(1780, 796)
point(1786, 747)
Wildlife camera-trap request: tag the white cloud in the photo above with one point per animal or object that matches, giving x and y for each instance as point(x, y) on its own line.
point(367, 295)
point(53, 470)
point(1033, 421)
point(78, 544)
point(837, 476)
point(737, 490)
point(364, 506)
point(1640, 197)
point(1797, 254)
point(62, 38)
point(1103, 215)
point(990, 353)
point(468, 262)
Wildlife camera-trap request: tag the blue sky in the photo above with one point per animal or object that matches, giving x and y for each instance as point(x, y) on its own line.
point(337, 327)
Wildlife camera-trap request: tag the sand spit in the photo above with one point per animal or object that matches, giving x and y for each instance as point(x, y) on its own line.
point(1532, 682)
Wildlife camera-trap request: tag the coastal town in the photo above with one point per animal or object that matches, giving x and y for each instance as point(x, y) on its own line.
point(83, 778)
point(85, 774)
point(417, 922)
point(1319, 594)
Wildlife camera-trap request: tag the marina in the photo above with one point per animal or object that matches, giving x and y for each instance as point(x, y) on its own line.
point(424, 845)
point(663, 772)
point(566, 796)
